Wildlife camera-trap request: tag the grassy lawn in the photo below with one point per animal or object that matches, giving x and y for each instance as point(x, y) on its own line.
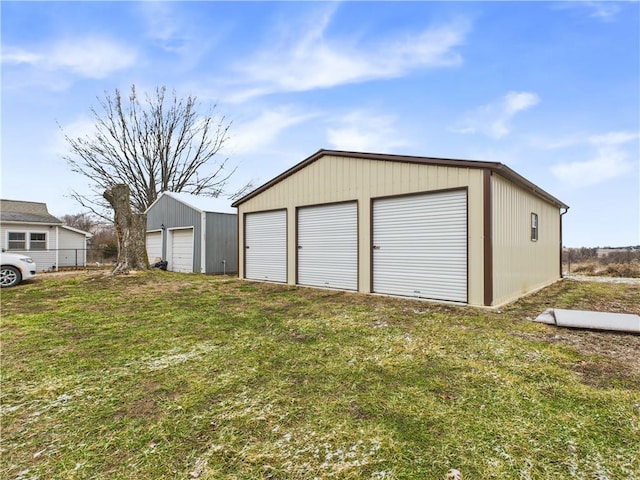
point(163, 375)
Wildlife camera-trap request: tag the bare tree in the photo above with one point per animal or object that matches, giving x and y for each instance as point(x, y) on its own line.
point(103, 242)
point(141, 148)
point(103, 245)
point(158, 144)
point(130, 231)
point(81, 221)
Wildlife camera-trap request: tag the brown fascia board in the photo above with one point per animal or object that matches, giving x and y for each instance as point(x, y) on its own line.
point(496, 167)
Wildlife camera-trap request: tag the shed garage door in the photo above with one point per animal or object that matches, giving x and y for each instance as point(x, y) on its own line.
point(328, 246)
point(154, 246)
point(420, 245)
point(180, 250)
point(265, 248)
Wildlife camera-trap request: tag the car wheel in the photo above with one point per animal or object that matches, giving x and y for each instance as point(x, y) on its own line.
point(9, 276)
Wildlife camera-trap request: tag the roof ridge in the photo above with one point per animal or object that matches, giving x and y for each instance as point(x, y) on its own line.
point(497, 167)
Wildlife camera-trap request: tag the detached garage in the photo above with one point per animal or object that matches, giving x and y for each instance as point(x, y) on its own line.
point(192, 233)
point(461, 231)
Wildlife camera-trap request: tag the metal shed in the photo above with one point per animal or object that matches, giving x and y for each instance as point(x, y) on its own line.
point(463, 231)
point(193, 233)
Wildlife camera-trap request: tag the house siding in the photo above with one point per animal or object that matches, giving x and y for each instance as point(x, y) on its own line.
point(332, 179)
point(73, 248)
point(44, 259)
point(521, 265)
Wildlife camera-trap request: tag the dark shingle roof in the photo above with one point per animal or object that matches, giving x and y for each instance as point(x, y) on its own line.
point(21, 211)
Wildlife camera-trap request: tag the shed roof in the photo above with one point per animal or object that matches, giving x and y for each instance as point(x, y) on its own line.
point(27, 212)
point(77, 230)
point(199, 202)
point(496, 167)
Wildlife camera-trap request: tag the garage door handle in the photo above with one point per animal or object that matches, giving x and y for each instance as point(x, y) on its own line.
point(299, 247)
point(247, 247)
point(376, 247)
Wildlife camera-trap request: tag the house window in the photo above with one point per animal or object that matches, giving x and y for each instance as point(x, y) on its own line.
point(38, 241)
point(17, 241)
point(534, 227)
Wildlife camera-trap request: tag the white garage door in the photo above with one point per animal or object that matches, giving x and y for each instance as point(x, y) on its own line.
point(180, 250)
point(265, 247)
point(420, 246)
point(328, 246)
point(154, 246)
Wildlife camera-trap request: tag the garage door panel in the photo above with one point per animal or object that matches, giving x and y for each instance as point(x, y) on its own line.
point(420, 246)
point(181, 251)
point(154, 246)
point(328, 246)
point(265, 253)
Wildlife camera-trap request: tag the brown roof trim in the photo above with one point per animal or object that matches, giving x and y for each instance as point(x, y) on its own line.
point(496, 167)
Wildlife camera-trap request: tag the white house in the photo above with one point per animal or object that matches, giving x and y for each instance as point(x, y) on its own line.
point(29, 228)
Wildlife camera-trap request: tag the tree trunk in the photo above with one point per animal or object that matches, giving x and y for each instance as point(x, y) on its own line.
point(130, 231)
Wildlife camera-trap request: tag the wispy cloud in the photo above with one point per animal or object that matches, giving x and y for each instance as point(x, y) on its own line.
point(610, 158)
point(494, 119)
point(162, 24)
point(605, 11)
point(260, 132)
point(312, 59)
point(365, 131)
point(89, 57)
point(173, 30)
point(612, 138)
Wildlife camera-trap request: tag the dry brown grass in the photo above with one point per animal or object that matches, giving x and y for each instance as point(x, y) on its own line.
point(162, 375)
point(595, 268)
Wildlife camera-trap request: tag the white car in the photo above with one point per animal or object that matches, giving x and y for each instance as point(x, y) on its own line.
point(16, 267)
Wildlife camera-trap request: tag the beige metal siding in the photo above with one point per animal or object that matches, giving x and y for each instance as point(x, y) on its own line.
point(335, 179)
point(521, 265)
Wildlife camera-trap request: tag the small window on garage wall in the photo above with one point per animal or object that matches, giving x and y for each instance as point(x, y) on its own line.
point(534, 227)
point(38, 241)
point(17, 241)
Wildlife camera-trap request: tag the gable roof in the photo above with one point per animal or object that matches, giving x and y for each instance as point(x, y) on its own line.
point(496, 167)
point(77, 230)
point(198, 202)
point(26, 212)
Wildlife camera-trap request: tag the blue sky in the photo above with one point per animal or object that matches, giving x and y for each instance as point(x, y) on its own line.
point(550, 89)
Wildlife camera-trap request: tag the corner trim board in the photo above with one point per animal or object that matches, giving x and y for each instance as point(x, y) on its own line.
point(487, 208)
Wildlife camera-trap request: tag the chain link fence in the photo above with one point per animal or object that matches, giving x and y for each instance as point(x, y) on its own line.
point(74, 258)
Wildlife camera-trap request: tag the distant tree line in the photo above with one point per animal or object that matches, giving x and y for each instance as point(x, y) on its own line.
point(620, 256)
point(582, 254)
point(586, 254)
